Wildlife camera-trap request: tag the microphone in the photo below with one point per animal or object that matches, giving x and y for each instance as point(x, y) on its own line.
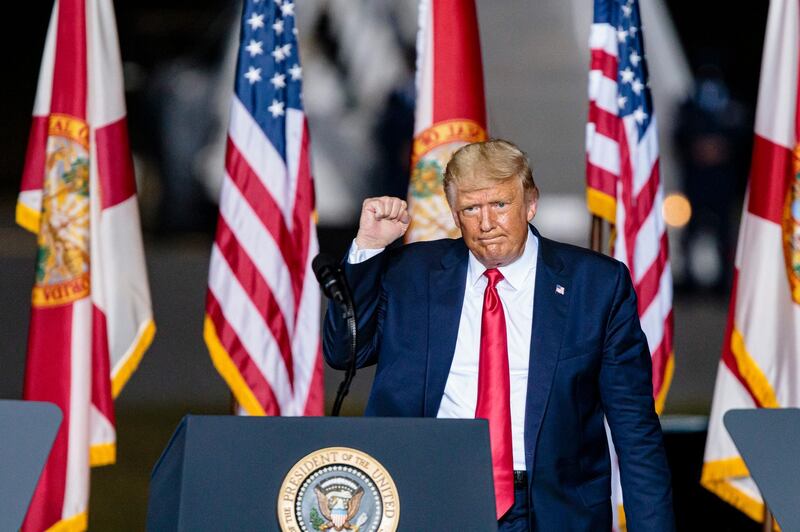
point(334, 285)
point(329, 275)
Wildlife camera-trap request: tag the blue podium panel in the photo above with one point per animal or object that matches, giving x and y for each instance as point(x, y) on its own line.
point(227, 473)
point(28, 429)
point(769, 441)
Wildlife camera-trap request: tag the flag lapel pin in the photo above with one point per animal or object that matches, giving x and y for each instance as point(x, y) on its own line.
point(560, 290)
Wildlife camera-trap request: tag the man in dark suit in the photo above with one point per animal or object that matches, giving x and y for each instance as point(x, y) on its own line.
point(539, 337)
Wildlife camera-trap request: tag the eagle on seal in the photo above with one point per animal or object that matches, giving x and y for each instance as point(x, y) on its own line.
point(338, 510)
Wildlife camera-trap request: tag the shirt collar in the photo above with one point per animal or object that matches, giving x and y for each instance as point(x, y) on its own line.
point(514, 273)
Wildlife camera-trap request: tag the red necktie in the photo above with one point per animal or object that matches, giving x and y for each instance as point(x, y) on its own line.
point(494, 392)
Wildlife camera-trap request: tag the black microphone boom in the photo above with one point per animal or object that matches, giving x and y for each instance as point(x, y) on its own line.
point(334, 286)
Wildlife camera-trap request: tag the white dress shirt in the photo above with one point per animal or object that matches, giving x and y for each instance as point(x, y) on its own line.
point(516, 294)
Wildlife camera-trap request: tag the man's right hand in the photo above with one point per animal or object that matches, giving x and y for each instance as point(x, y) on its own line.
point(383, 220)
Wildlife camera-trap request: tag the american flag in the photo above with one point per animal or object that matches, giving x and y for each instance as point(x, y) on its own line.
point(263, 304)
point(622, 178)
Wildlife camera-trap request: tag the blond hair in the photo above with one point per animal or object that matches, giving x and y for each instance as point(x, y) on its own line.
point(490, 161)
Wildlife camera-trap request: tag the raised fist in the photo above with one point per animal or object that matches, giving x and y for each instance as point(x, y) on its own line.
point(383, 220)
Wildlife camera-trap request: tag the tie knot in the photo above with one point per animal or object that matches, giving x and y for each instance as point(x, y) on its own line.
point(494, 276)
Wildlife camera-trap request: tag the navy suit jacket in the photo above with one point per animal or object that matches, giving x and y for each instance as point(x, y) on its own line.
point(588, 358)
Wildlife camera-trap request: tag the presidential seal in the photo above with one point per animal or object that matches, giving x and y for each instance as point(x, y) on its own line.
point(335, 489)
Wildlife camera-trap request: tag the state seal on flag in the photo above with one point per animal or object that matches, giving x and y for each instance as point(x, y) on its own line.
point(431, 151)
point(338, 488)
point(791, 228)
point(62, 262)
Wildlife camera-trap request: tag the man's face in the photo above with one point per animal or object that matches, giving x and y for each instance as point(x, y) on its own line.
point(493, 218)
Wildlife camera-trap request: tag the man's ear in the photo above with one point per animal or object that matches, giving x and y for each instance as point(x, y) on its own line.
point(532, 204)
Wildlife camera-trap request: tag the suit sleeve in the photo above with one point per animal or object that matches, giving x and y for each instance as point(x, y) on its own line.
point(626, 392)
point(364, 280)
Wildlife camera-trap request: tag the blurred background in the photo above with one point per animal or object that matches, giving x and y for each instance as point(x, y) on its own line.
point(358, 65)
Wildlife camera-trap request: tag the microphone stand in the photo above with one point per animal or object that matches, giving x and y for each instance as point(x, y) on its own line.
point(349, 315)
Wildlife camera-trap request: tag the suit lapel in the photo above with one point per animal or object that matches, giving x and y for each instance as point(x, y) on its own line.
point(445, 295)
point(550, 305)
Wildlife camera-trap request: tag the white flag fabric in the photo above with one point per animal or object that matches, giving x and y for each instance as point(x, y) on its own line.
point(760, 363)
point(91, 317)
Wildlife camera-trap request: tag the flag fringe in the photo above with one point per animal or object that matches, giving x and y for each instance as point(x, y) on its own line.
point(661, 398)
point(229, 372)
point(28, 218)
point(102, 454)
point(131, 361)
point(715, 478)
point(602, 205)
point(756, 381)
point(76, 523)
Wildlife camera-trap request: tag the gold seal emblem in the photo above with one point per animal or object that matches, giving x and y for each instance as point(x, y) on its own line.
point(335, 489)
point(430, 215)
point(791, 228)
point(62, 262)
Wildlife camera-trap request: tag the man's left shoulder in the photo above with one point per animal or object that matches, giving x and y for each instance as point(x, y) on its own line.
point(578, 260)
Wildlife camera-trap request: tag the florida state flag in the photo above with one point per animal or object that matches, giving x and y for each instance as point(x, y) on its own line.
point(760, 366)
point(451, 110)
point(91, 319)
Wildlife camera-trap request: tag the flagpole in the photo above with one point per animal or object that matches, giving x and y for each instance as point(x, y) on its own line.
point(769, 521)
point(596, 236)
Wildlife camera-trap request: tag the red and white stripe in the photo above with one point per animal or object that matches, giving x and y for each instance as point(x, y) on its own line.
point(80, 355)
point(624, 188)
point(263, 305)
point(760, 354)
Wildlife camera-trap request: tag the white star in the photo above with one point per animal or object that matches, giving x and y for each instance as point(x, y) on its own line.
point(294, 31)
point(286, 49)
point(278, 26)
point(256, 21)
point(635, 58)
point(296, 72)
point(254, 48)
point(278, 54)
point(287, 9)
point(621, 101)
point(637, 87)
point(626, 10)
point(622, 35)
point(627, 75)
point(278, 80)
point(276, 109)
point(639, 115)
point(253, 74)
point(633, 30)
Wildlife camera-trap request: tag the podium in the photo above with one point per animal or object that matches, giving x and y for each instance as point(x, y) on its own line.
point(306, 474)
point(28, 429)
point(769, 441)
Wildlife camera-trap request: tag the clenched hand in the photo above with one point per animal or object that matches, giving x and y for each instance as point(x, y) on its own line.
point(383, 220)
